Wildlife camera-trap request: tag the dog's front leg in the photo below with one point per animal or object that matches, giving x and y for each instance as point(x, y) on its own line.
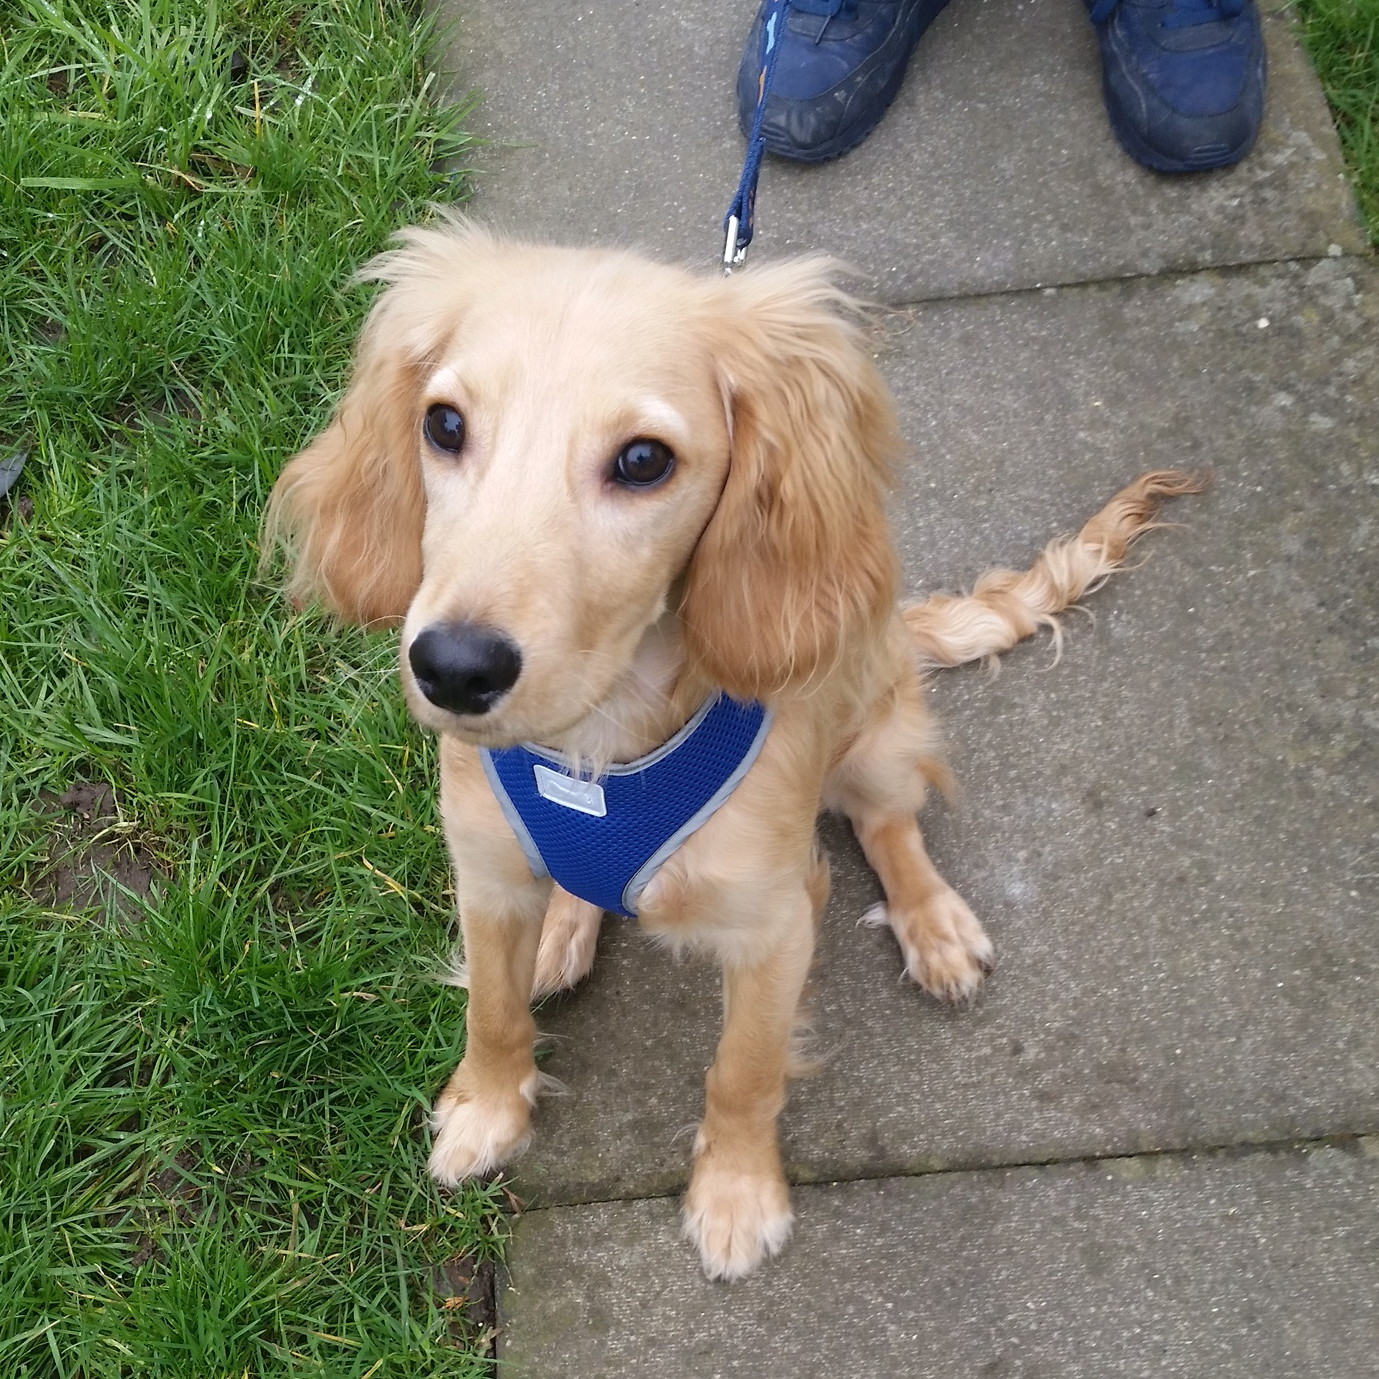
point(737, 1210)
point(483, 1117)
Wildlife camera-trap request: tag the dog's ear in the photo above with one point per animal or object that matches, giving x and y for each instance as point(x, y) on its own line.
point(349, 509)
point(796, 566)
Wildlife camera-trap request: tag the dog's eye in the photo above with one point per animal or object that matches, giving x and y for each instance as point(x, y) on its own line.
point(444, 428)
point(641, 463)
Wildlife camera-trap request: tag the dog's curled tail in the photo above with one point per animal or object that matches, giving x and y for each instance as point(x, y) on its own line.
point(1008, 605)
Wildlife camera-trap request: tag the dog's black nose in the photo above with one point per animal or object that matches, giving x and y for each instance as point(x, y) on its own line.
point(464, 667)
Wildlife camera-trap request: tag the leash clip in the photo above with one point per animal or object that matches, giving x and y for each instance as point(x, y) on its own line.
point(734, 249)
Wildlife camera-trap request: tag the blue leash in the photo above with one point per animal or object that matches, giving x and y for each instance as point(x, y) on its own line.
point(738, 224)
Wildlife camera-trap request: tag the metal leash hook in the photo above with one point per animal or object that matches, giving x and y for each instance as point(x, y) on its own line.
point(738, 223)
point(734, 253)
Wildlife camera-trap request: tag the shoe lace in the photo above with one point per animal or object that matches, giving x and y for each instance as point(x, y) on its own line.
point(1183, 14)
point(827, 10)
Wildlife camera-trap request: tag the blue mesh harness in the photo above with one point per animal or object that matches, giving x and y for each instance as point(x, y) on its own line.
point(604, 839)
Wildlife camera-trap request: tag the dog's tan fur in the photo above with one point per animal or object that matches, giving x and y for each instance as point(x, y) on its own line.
point(763, 566)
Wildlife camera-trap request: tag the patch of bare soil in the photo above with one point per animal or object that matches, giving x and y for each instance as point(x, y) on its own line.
point(467, 1288)
point(181, 1199)
point(95, 850)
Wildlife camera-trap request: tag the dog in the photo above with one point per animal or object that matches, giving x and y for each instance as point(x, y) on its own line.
point(603, 498)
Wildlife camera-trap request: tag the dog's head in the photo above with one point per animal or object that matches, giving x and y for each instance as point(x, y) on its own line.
point(541, 451)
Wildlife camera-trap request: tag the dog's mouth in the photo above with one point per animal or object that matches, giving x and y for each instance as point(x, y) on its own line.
point(494, 731)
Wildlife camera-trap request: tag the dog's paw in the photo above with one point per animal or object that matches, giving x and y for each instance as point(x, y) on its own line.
point(736, 1220)
point(473, 1135)
point(946, 950)
point(568, 938)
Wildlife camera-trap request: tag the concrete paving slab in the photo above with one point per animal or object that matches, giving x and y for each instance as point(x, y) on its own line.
point(1262, 1266)
point(1171, 833)
point(615, 123)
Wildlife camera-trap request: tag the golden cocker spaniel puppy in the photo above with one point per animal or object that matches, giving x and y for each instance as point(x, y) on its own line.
point(608, 501)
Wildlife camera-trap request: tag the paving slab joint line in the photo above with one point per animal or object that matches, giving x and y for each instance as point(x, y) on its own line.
point(1360, 1141)
point(1114, 280)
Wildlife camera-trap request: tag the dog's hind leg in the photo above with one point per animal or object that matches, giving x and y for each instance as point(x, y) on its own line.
point(569, 935)
point(946, 950)
point(880, 785)
point(880, 781)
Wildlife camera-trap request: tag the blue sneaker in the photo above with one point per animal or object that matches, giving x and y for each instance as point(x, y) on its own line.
point(840, 64)
point(1183, 79)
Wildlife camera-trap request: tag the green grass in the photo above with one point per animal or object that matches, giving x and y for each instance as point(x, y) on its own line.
point(212, 1099)
point(1342, 38)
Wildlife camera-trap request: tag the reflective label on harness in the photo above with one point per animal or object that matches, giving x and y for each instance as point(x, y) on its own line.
point(583, 795)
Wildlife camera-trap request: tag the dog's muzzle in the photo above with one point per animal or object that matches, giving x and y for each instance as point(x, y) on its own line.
point(463, 666)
